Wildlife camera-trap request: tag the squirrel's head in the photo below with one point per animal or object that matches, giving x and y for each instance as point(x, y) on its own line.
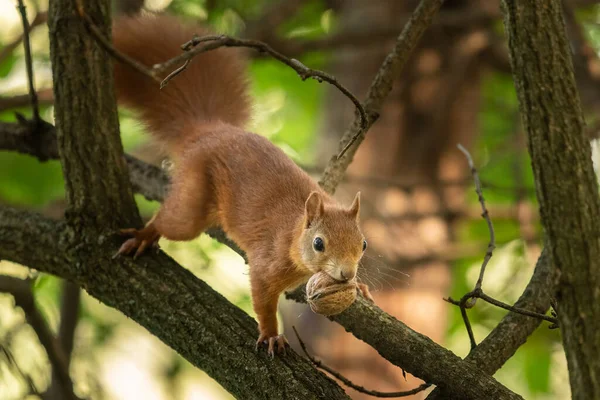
point(331, 239)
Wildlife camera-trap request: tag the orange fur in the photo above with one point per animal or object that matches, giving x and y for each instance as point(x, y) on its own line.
point(227, 177)
point(213, 87)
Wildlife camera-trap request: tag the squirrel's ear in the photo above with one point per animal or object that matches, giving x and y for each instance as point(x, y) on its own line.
point(313, 208)
point(355, 207)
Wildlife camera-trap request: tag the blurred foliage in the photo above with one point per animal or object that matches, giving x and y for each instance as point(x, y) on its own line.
point(288, 111)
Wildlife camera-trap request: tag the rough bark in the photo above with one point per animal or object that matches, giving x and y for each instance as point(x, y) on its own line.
point(87, 122)
point(370, 325)
point(565, 182)
point(416, 353)
point(180, 307)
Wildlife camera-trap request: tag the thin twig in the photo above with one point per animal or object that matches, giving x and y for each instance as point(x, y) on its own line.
point(485, 214)
point(465, 317)
point(211, 42)
point(381, 86)
point(7, 50)
point(352, 385)
point(463, 312)
point(479, 294)
point(518, 310)
point(29, 63)
point(469, 299)
point(108, 47)
point(173, 74)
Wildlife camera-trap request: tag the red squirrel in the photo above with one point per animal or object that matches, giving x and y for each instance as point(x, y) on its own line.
point(227, 177)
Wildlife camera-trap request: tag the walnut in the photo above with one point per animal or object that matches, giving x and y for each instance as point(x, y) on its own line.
point(326, 296)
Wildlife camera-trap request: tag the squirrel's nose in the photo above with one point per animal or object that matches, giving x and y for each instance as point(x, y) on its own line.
point(347, 276)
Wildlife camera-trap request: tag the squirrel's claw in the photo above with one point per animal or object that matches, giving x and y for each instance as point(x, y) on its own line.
point(363, 289)
point(275, 344)
point(139, 242)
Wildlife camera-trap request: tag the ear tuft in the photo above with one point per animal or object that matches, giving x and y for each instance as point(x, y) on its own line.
point(354, 210)
point(313, 209)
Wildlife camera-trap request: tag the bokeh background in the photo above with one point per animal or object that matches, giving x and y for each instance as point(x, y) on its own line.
point(420, 212)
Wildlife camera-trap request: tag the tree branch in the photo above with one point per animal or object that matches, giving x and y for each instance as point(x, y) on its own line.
point(319, 364)
point(174, 305)
point(380, 88)
point(514, 329)
point(224, 335)
point(98, 193)
point(28, 62)
point(414, 352)
point(469, 299)
point(40, 19)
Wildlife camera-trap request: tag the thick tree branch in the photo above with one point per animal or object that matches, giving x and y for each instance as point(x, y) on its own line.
point(416, 353)
point(566, 185)
point(97, 190)
point(181, 310)
point(223, 335)
point(319, 364)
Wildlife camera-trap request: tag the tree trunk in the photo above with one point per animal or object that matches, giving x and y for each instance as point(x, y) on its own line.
point(565, 182)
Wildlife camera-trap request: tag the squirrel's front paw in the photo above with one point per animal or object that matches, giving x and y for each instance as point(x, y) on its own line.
point(363, 289)
point(275, 344)
point(140, 241)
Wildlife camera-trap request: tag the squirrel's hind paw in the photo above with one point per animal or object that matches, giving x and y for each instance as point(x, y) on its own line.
point(141, 240)
point(275, 344)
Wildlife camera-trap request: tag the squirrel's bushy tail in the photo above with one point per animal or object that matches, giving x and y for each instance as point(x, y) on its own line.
point(214, 87)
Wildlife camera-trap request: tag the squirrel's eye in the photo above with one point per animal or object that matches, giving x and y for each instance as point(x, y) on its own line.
point(364, 245)
point(318, 244)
